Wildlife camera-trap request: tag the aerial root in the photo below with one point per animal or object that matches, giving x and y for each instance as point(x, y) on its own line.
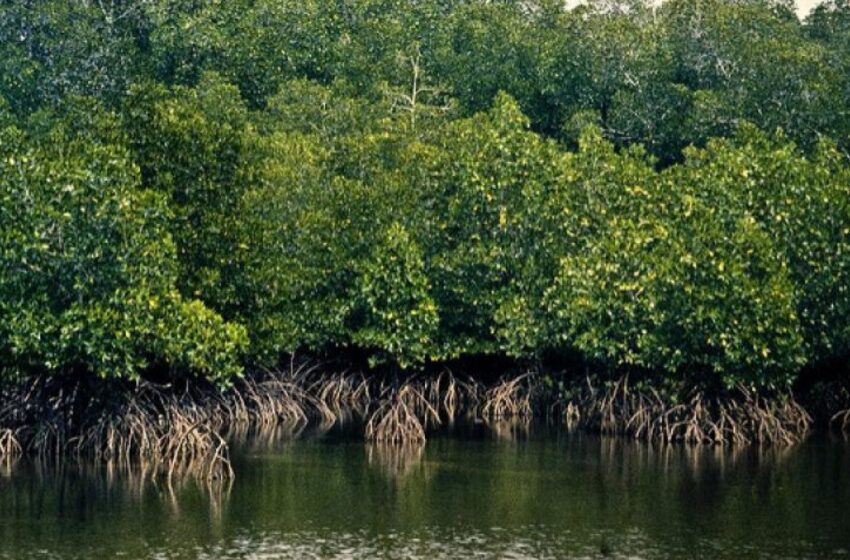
point(334, 395)
point(451, 396)
point(841, 421)
point(155, 429)
point(509, 398)
point(176, 433)
point(160, 434)
point(402, 414)
point(10, 447)
point(740, 417)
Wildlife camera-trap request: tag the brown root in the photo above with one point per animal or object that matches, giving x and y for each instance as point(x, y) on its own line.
point(509, 398)
point(10, 447)
point(841, 421)
point(159, 433)
point(451, 396)
point(402, 415)
point(740, 417)
point(152, 428)
point(334, 396)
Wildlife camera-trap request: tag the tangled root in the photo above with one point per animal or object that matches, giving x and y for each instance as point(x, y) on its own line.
point(152, 428)
point(738, 418)
point(268, 400)
point(402, 415)
point(333, 396)
point(161, 434)
point(509, 398)
point(171, 433)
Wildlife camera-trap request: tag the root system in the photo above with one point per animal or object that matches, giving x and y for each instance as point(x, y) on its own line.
point(738, 417)
point(509, 398)
point(402, 414)
point(169, 432)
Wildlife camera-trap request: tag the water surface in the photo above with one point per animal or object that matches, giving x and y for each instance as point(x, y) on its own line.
point(480, 495)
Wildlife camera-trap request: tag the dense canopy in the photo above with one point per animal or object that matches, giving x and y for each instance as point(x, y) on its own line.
point(207, 186)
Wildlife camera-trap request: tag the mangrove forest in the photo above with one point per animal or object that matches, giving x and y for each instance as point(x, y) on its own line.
point(218, 216)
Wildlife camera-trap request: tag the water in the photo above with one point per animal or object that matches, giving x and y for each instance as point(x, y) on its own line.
point(548, 495)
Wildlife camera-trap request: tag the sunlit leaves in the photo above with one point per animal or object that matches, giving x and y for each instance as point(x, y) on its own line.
point(88, 270)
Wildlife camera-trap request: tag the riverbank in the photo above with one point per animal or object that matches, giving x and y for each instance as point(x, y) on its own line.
point(172, 430)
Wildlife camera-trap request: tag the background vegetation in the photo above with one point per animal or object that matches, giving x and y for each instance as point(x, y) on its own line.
point(199, 187)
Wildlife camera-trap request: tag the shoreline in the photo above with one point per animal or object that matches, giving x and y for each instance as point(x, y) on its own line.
point(172, 432)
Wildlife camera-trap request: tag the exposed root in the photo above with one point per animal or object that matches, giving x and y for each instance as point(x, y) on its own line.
point(170, 433)
point(401, 416)
point(335, 395)
point(572, 414)
point(509, 398)
point(153, 428)
point(160, 433)
point(841, 420)
point(10, 448)
point(741, 417)
point(268, 400)
point(452, 396)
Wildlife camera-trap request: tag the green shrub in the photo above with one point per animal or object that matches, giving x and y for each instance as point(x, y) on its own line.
point(189, 144)
point(399, 317)
point(653, 275)
point(803, 204)
point(89, 270)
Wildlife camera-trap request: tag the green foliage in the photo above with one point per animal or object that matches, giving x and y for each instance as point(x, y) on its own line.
point(89, 270)
point(485, 49)
point(254, 44)
point(399, 315)
point(202, 185)
point(802, 204)
point(669, 280)
point(294, 288)
point(53, 48)
point(493, 166)
point(189, 143)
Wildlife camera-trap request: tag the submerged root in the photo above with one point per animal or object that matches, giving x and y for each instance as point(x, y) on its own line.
point(740, 417)
point(396, 461)
point(510, 429)
point(263, 438)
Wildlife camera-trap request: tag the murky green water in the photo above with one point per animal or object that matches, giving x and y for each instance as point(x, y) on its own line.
point(477, 496)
